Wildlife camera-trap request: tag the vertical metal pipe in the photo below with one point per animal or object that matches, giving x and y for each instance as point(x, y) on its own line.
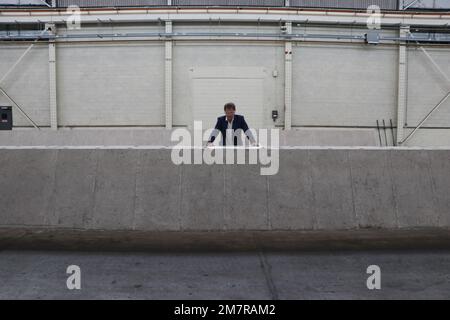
point(168, 77)
point(379, 133)
point(288, 79)
point(392, 133)
point(52, 79)
point(402, 87)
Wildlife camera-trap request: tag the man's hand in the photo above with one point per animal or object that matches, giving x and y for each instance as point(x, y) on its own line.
point(210, 145)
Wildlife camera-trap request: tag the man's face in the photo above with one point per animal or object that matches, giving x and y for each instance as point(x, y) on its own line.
point(230, 113)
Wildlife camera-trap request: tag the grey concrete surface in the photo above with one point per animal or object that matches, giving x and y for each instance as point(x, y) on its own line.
point(222, 276)
point(156, 204)
point(115, 190)
point(439, 163)
point(416, 198)
point(27, 179)
point(291, 195)
point(158, 136)
point(332, 189)
point(76, 176)
point(375, 202)
point(145, 136)
point(141, 189)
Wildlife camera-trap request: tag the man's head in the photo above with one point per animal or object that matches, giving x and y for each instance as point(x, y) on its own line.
point(230, 110)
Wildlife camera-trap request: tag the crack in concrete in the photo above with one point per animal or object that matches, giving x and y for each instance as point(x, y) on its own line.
point(267, 270)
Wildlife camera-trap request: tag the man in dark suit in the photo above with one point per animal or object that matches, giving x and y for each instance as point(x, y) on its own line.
point(232, 122)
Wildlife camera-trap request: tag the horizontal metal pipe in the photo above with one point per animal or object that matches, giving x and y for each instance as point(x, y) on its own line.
point(175, 35)
point(279, 42)
point(223, 14)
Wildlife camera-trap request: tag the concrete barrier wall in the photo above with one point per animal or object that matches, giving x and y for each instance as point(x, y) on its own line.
point(140, 189)
point(427, 138)
point(161, 137)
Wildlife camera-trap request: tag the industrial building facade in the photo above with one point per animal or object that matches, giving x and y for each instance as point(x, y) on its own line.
point(285, 67)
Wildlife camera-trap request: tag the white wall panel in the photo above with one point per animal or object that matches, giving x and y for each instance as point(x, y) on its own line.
point(189, 56)
point(28, 83)
point(213, 87)
point(111, 84)
point(343, 85)
point(426, 87)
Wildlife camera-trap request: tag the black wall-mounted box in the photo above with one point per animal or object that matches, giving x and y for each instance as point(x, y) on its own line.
point(6, 120)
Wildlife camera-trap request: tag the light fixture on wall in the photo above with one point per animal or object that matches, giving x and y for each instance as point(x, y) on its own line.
point(6, 118)
point(274, 115)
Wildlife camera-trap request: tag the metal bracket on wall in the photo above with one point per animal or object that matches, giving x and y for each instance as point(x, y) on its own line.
point(47, 4)
point(405, 7)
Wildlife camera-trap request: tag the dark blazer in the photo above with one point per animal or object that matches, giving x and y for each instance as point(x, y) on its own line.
point(222, 126)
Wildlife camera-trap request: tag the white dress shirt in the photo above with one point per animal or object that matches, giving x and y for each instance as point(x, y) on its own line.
point(229, 137)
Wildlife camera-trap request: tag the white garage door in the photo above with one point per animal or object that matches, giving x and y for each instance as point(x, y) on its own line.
point(213, 87)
